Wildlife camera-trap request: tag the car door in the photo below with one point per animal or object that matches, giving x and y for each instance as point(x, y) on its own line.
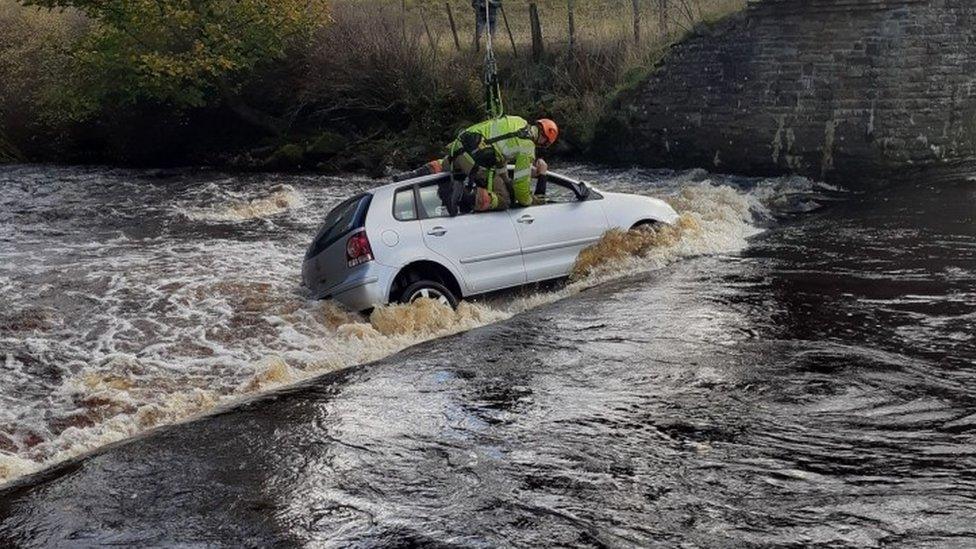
point(553, 234)
point(483, 247)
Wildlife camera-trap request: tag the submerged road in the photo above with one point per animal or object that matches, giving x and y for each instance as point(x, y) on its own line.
point(819, 388)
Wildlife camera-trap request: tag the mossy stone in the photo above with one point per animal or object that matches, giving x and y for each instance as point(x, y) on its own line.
point(326, 145)
point(286, 157)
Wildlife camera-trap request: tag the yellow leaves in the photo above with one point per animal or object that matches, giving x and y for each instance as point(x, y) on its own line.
point(225, 64)
point(33, 54)
point(89, 52)
point(190, 66)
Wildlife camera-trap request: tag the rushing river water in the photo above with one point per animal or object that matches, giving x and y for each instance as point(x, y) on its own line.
point(790, 365)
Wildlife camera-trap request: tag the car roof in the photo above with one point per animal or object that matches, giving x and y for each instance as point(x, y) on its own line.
point(408, 182)
point(437, 176)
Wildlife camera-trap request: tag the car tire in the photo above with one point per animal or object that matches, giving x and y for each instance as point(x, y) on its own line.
point(429, 289)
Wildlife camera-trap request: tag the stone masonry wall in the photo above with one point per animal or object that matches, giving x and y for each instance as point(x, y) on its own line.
point(833, 89)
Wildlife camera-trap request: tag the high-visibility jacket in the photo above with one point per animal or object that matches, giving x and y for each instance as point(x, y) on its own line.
point(480, 146)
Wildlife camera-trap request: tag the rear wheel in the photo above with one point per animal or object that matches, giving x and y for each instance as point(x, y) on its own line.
point(430, 290)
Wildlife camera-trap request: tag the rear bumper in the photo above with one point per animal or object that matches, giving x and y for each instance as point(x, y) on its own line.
point(365, 286)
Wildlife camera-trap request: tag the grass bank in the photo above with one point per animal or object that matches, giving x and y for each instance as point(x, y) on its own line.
point(339, 85)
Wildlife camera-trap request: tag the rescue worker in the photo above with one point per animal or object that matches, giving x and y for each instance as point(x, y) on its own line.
point(481, 155)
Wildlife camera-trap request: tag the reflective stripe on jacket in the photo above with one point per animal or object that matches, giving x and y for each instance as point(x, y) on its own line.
point(516, 150)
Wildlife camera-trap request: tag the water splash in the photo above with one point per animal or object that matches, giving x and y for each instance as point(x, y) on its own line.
point(712, 219)
point(280, 199)
point(428, 318)
point(12, 467)
point(617, 247)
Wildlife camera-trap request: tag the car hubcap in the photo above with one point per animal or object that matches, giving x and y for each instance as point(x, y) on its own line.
point(430, 293)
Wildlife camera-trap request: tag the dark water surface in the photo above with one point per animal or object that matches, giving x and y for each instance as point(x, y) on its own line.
point(816, 388)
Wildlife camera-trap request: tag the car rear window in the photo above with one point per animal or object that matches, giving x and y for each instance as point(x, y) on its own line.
point(348, 215)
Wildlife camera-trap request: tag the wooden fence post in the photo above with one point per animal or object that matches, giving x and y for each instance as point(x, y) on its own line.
point(538, 49)
point(450, 17)
point(403, 19)
point(637, 21)
point(511, 37)
point(430, 37)
point(572, 25)
point(662, 7)
point(477, 35)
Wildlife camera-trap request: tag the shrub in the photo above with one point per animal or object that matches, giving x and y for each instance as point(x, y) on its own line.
point(368, 72)
point(175, 52)
point(34, 66)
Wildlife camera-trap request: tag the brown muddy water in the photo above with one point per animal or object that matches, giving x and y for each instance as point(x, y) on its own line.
point(791, 365)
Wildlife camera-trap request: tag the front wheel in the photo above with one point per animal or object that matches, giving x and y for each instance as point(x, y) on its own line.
point(430, 290)
point(646, 225)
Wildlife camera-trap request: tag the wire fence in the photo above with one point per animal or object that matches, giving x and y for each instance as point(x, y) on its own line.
point(559, 23)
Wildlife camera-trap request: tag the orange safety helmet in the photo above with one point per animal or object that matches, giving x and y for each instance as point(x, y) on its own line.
point(548, 129)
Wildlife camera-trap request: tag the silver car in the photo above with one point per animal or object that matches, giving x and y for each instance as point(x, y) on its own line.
point(397, 243)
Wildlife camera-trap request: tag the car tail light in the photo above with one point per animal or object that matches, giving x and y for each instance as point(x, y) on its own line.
point(358, 250)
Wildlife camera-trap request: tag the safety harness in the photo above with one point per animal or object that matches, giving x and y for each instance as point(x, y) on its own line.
point(475, 144)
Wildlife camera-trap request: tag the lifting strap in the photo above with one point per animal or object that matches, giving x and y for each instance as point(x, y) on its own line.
point(493, 91)
point(522, 133)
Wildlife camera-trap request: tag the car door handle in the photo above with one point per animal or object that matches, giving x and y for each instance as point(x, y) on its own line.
point(527, 219)
point(437, 231)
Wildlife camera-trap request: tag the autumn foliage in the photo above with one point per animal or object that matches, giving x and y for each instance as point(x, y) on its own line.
point(322, 84)
point(179, 51)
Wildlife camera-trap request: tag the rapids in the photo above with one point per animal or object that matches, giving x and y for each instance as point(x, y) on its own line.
point(765, 374)
point(134, 299)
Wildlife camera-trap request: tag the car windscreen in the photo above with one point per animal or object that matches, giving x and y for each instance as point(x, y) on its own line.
point(349, 215)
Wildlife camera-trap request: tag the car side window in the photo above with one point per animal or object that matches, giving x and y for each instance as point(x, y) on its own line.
point(431, 205)
point(404, 206)
point(557, 193)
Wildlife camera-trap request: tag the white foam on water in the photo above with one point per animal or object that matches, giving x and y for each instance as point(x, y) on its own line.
point(146, 331)
point(236, 208)
point(12, 467)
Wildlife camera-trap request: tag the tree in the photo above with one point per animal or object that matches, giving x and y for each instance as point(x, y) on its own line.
point(185, 53)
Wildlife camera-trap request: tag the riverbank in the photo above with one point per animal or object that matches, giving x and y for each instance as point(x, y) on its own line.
point(356, 86)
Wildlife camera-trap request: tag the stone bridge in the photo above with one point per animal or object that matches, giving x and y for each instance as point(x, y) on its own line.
point(845, 90)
